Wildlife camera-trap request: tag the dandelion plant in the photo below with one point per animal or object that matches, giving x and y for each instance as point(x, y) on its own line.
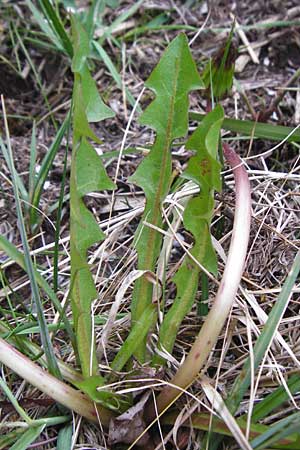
point(87, 174)
point(108, 393)
point(204, 170)
point(172, 79)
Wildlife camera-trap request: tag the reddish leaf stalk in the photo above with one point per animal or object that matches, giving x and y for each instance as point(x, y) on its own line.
point(233, 271)
point(54, 388)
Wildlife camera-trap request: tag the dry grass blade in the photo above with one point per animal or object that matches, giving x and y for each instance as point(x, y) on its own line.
point(220, 407)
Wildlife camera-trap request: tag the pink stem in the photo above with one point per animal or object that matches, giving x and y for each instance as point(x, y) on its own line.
point(220, 310)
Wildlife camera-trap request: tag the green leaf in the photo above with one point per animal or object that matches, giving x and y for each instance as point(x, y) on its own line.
point(81, 125)
point(172, 79)
point(90, 173)
point(95, 108)
point(256, 129)
point(27, 438)
point(41, 177)
point(204, 170)
point(87, 175)
point(81, 45)
point(106, 398)
point(64, 438)
point(57, 26)
point(204, 167)
point(19, 259)
point(139, 332)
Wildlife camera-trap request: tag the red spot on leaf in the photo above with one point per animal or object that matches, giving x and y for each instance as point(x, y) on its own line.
point(205, 167)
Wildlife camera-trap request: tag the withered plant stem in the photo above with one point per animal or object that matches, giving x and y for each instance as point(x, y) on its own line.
point(265, 115)
point(59, 391)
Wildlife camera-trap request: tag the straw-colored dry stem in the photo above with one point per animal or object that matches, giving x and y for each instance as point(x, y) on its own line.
point(56, 389)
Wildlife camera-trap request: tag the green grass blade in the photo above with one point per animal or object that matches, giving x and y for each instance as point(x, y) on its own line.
point(44, 170)
point(114, 73)
point(59, 211)
point(32, 174)
point(44, 26)
point(19, 181)
point(14, 401)
point(64, 438)
point(35, 72)
point(27, 438)
point(19, 259)
point(95, 11)
point(149, 27)
point(262, 345)
point(146, 28)
point(32, 328)
point(275, 399)
point(259, 130)
point(10, 438)
point(121, 18)
point(127, 151)
point(33, 350)
point(278, 431)
point(202, 421)
point(265, 338)
point(57, 26)
point(45, 338)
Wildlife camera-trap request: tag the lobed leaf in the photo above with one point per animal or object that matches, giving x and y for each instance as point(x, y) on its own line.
point(81, 46)
point(204, 170)
point(172, 79)
point(92, 387)
point(87, 174)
